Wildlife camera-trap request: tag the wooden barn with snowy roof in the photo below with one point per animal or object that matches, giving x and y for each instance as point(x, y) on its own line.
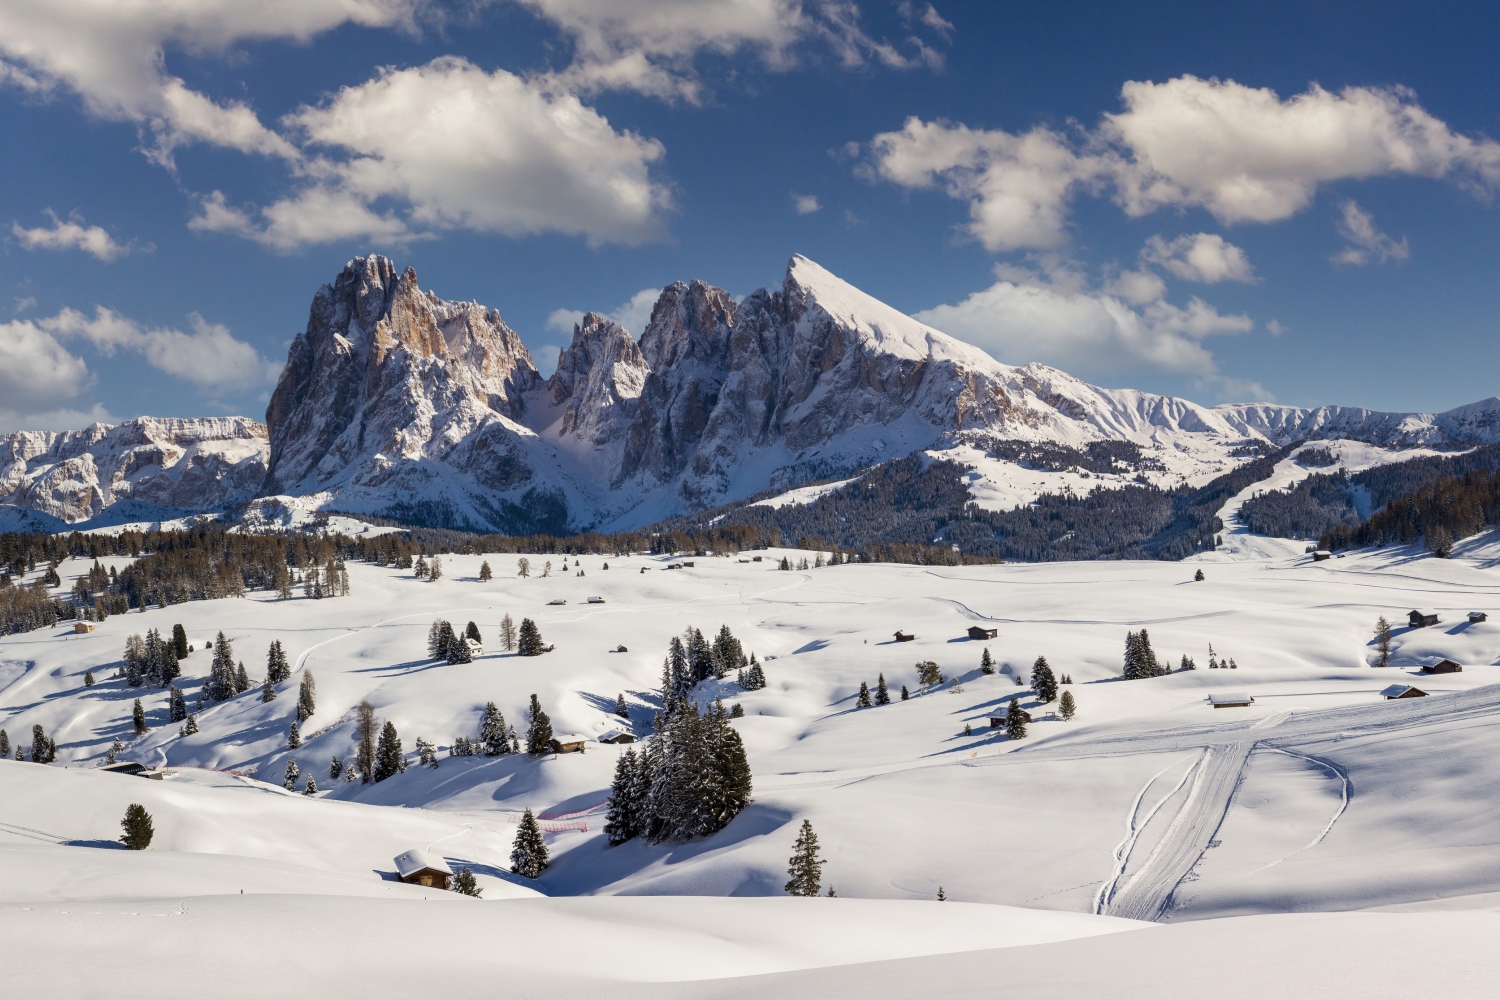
point(417, 867)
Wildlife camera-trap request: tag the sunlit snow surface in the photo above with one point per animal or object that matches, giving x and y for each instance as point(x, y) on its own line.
point(1226, 827)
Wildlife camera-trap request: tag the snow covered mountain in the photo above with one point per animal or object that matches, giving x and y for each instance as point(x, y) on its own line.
point(394, 401)
point(182, 465)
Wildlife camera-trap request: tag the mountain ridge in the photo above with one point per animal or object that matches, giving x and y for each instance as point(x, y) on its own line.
point(394, 401)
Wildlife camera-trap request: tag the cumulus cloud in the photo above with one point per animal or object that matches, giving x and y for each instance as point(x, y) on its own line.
point(71, 234)
point(1120, 329)
point(1242, 153)
point(649, 46)
point(209, 356)
point(457, 147)
point(1018, 186)
point(1367, 244)
point(113, 56)
point(1202, 257)
point(806, 204)
point(36, 370)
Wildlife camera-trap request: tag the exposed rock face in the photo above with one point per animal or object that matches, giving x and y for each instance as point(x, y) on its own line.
point(187, 465)
point(392, 389)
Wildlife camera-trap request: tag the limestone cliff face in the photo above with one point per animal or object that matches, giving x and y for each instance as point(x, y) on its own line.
point(390, 386)
point(183, 464)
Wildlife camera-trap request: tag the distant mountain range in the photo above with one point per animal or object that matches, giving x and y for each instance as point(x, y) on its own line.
point(398, 403)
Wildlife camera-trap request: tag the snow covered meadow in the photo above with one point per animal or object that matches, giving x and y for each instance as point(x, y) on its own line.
point(1137, 841)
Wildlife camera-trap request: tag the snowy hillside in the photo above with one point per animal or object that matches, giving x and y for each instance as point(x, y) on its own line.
point(1149, 805)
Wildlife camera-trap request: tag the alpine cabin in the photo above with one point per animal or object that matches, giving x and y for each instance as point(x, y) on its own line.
point(1397, 691)
point(417, 867)
point(1231, 699)
point(998, 721)
point(568, 743)
point(83, 628)
point(904, 636)
point(1421, 619)
point(1441, 665)
point(975, 632)
point(1321, 555)
point(616, 736)
point(1475, 617)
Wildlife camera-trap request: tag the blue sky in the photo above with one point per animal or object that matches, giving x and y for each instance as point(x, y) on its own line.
point(1290, 203)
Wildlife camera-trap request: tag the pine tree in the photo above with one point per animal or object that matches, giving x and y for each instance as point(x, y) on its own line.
point(389, 760)
point(523, 567)
point(278, 671)
point(1015, 721)
point(905, 695)
point(1043, 681)
point(88, 681)
point(364, 737)
point(241, 679)
point(179, 642)
point(882, 693)
point(1198, 576)
point(312, 786)
point(191, 727)
point(436, 572)
point(484, 572)
point(539, 732)
point(220, 683)
point(459, 651)
point(447, 639)
point(293, 772)
point(267, 691)
point(41, 745)
point(986, 662)
point(528, 858)
point(349, 774)
point(1187, 663)
point(307, 696)
point(114, 750)
point(138, 718)
point(436, 649)
point(941, 895)
point(137, 827)
point(294, 737)
point(176, 704)
point(464, 883)
point(622, 709)
point(420, 570)
point(4, 745)
point(804, 866)
point(472, 632)
point(492, 731)
point(335, 768)
point(1383, 642)
point(1066, 708)
point(863, 698)
point(507, 634)
point(529, 643)
point(699, 654)
point(622, 821)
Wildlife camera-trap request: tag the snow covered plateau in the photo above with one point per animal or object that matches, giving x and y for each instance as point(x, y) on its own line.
point(1153, 845)
point(396, 402)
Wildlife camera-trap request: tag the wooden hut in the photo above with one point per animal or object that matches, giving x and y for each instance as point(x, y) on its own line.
point(417, 867)
point(1396, 691)
point(1231, 699)
point(557, 600)
point(976, 632)
point(904, 636)
point(83, 628)
point(1441, 665)
point(596, 600)
point(1421, 619)
point(1475, 617)
point(998, 721)
point(616, 736)
point(1321, 555)
point(568, 743)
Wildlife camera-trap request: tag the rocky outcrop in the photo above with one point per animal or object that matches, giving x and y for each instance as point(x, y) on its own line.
point(190, 465)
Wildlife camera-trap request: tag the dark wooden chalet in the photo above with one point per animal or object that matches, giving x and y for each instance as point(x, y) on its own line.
point(616, 736)
point(1475, 617)
point(998, 721)
point(1396, 691)
point(976, 632)
point(1421, 619)
point(904, 636)
point(1441, 665)
point(417, 867)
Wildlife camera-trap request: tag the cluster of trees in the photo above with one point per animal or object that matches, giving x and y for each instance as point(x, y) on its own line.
point(43, 747)
point(495, 739)
point(152, 660)
point(882, 694)
point(1314, 506)
point(690, 778)
point(443, 643)
point(1140, 658)
point(1440, 513)
point(1100, 457)
point(691, 659)
point(23, 609)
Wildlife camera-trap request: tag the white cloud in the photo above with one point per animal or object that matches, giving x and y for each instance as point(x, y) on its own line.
point(1275, 327)
point(649, 46)
point(806, 204)
point(209, 356)
point(1203, 257)
point(1367, 245)
point(1247, 155)
point(633, 314)
point(71, 234)
point(65, 418)
point(1090, 333)
point(113, 56)
point(456, 147)
point(1018, 186)
point(36, 370)
point(1242, 153)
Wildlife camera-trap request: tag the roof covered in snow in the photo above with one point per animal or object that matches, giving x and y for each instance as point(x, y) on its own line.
point(417, 859)
point(1397, 690)
point(1230, 698)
